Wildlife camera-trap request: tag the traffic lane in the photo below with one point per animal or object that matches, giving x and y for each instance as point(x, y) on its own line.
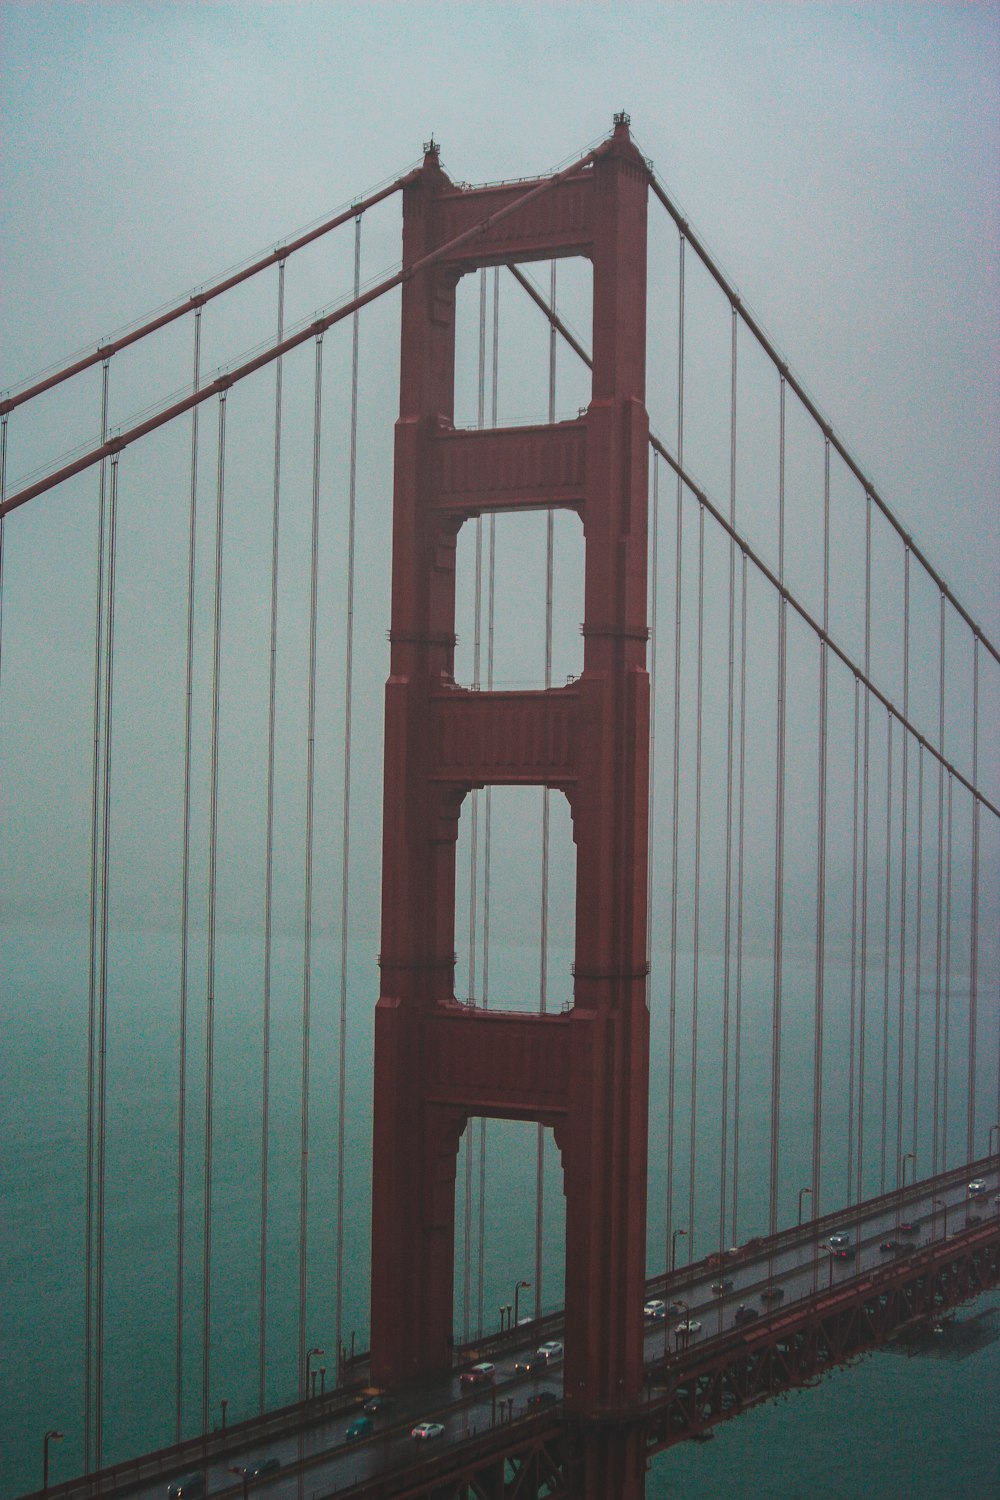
point(800, 1269)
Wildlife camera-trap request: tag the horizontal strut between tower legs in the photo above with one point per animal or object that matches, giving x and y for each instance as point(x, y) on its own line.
point(505, 738)
point(616, 632)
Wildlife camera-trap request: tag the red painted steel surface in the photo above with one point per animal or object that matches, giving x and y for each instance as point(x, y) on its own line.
point(437, 1063)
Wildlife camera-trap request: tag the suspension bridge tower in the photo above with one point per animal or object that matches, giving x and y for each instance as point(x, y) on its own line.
point(438, 1063)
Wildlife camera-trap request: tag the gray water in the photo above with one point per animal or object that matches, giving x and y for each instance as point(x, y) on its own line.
point(923, 1427)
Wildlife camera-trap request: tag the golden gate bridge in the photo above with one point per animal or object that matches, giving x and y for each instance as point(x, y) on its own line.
point(772, 865)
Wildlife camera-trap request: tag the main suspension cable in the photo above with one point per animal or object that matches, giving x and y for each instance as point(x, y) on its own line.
point(196, 300)
point(825, 427)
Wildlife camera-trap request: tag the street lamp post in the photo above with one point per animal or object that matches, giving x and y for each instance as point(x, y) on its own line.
point(52, 1436)
point(309, 1358)
point(673, 1248)
point(989, 1149)
point(940, 1203)
point(241, 1474)
point(519, 1286)
point(802, 1194)
point(829, 1256)
point(909, 1156)
point(224, 1402)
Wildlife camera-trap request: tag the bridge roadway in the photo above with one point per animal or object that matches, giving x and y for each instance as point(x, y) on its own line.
point(309, 1440)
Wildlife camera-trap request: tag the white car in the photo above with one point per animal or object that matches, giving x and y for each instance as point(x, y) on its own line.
point(654, 1309)
point(839, 1240)
point(551, 1350)
point(689, 1326)
point(977, 1186)
point(425, 1430)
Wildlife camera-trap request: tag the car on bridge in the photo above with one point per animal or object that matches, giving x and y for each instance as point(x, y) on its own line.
point(977, 1187)
point(551, 1351)
point(542, 1398)
point(725, 1285)
point(772, 1294)
point(426, 1430)
point(845, 1252)
point(481, 1374)
point(688, 1327)
point(656, 1309)
point(745, 1314)
point(531, 1364)
point(189, 1487)
point(360, 1428)
point(259, 1467)
point(839, 1239)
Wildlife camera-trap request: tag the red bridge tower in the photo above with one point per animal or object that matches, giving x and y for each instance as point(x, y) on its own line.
point(438, 1063)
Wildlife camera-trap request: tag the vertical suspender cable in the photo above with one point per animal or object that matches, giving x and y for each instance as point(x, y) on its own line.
point(654, 554)
point(779, 839)
point(272, 687)
point(737, 1071)
point(95, 867)
point(821, 809)
point(3, 496)
point(854, 947)
point(544, 958)
point(345, 878)
point(886, 966)
point(866, 791)
point(102, 1064)
point(946, 1048)
point(213, 841)
point(490, 623)
point(970, 1122)
point(675, 793)
point(940, 908)
point(186, 905)
point(474, 826)
point(730, 695)
point(308, 894)
point(696, 934)
point(917, 944)
point(903, 837)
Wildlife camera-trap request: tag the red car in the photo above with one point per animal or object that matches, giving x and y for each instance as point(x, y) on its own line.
point(481, 1374)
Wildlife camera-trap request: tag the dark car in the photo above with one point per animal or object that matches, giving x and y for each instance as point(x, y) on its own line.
point(744, 1314)
point(910, 1226)
point(725, 1285)
point(542, 1398)
point(376, 1404)
point(531, 1364)
point(361, 1427)
point(772, 1294)
point(846, 1252)
point(887, 1246)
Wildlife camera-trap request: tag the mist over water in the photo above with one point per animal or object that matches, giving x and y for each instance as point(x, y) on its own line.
point(43, 1148)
